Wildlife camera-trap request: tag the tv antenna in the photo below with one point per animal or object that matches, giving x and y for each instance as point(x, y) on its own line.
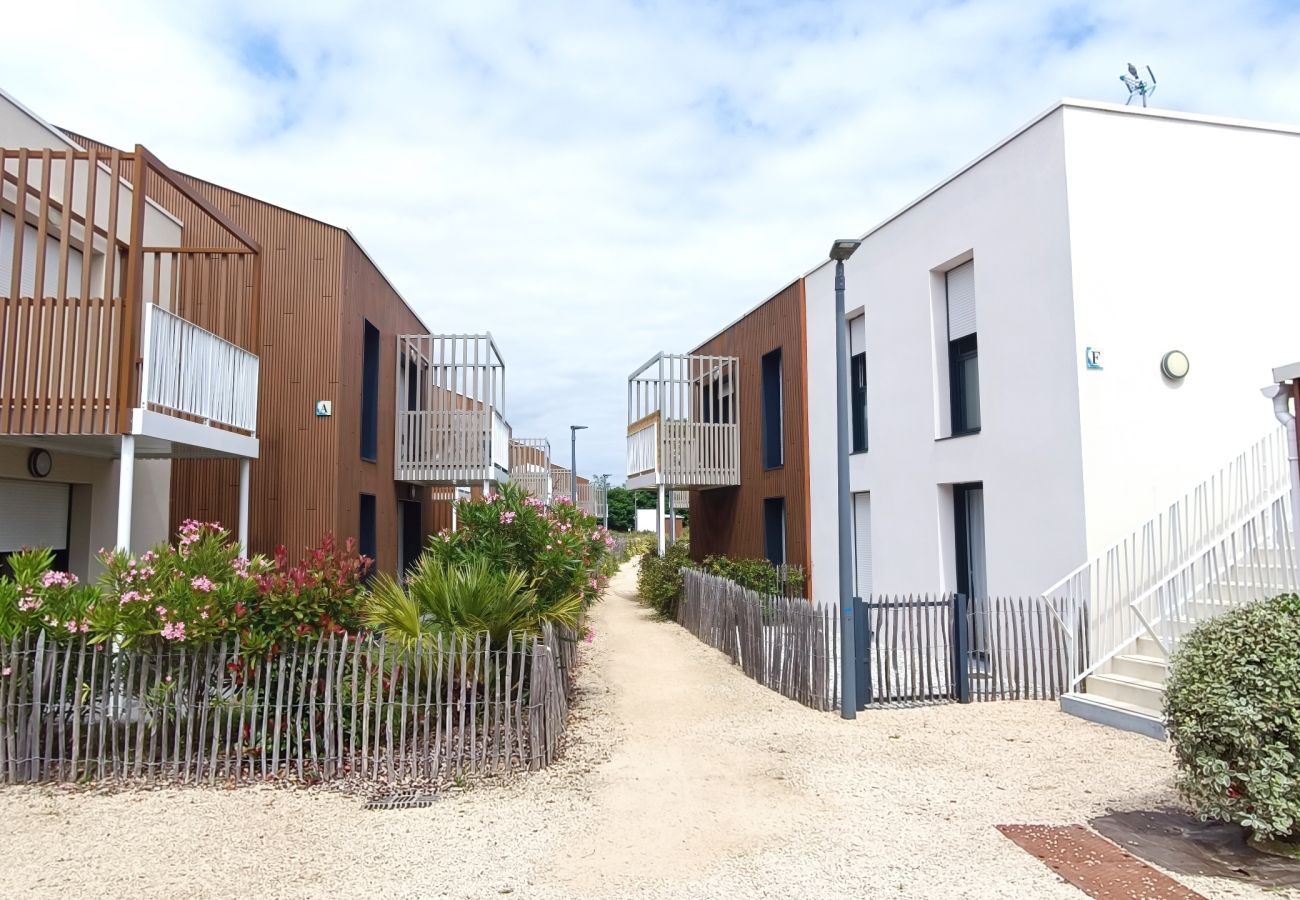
point(1138, 86)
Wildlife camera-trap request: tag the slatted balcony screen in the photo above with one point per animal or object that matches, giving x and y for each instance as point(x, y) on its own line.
point(683, 421)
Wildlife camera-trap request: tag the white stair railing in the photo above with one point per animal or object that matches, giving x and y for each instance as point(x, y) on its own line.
point(1224, 543)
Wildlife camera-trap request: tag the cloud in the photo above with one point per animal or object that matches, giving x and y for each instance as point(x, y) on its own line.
point(597, 182)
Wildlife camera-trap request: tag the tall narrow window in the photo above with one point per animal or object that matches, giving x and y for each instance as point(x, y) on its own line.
point(774, 530)
point(858, 382)
point(963, 350)
point(366, 531)
point(370, 394)
point(773, 436)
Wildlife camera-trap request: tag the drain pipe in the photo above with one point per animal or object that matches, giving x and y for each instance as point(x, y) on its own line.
point(1280, 394)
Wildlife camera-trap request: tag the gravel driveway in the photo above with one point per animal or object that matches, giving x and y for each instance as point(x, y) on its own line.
point(681, 778)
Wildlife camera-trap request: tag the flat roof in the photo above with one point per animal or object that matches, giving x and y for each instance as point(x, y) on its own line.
point(1067, 102)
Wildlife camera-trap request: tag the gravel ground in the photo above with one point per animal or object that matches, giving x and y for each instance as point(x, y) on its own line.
point(681, 778)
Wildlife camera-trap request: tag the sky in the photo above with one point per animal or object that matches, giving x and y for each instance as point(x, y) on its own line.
point(596, 182)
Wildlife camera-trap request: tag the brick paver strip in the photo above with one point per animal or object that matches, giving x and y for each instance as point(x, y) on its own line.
point(1094, 865)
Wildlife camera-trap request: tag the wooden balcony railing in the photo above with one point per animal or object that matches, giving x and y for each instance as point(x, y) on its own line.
point(683, 422)
point(76, 277)
point(450, 427)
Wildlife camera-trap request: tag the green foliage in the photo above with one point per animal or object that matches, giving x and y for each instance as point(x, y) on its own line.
point(622, 509)
point(659, 578)
point(561, 551)
point(757, 575)
point(453, 601)
point(193, 592)
point(1232, 709)
point(640, 544)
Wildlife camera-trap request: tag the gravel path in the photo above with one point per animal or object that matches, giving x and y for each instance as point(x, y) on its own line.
point(681, 778)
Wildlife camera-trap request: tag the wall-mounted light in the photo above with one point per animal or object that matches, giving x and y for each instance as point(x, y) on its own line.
point(1174, 365)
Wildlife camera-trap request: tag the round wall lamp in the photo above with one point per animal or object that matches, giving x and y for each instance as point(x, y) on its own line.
point(1175, 365)
point(39, 463)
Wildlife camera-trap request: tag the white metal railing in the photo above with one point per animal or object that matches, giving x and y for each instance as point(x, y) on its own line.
point(500, 442)
point(643, 449)
point(1224, 543)
point(189, 370)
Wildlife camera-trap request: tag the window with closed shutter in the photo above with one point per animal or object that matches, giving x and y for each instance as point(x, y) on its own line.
point(961, 301)
point(35, 515)
point(862, 545)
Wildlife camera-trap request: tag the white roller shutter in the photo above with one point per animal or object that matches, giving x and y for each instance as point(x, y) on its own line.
point(33, 514)
point(961, 301)
point(862, 544)
point(27, 286)
point(858, 336)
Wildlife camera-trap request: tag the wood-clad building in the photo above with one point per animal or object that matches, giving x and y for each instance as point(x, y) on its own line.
point(766, 515)
point(329, 324)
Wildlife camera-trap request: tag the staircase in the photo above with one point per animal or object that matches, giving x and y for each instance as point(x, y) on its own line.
point(1224, 544)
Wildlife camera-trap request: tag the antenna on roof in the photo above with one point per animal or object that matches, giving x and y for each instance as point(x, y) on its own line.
point(1137, 86)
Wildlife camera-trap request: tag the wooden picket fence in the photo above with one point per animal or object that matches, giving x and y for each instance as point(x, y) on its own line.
point(783, 643)
point(325, 709)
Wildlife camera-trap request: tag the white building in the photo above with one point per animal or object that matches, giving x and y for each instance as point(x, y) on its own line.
point(1117, 232)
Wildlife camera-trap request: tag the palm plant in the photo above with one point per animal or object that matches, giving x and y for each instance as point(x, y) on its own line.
point(452, 600)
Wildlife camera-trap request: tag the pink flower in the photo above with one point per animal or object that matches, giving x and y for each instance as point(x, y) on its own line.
point(161, 610)
point(61, 579)
point(129, 597)
point(240, 566)
point(6, 671)
point(202, 583)
point(507, 517)
point(174, 631)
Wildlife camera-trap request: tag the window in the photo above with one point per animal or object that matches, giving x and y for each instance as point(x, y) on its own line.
point(858, 383)
point(773, 437)
point(862, 545)
point(774, 530)
point(720, 401)
point(370, 394)
point(366, 533)
point(963, 350)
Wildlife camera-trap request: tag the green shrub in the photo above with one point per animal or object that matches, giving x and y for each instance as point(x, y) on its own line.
point(560, 550)
point(1232, 709)
point(659, 579)
point(459, 601)
point(757, 575)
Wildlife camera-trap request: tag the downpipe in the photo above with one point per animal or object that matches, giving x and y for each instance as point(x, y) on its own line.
point(1280, 394)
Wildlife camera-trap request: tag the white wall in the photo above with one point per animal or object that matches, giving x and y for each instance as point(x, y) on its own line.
point(94, 524)
point(1184, 239)
point(1009, 211)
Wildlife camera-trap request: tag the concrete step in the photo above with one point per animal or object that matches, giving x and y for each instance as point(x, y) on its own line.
point(1138, 692)
point(1151, 669)
point(1148, 646)
point(1113, 713)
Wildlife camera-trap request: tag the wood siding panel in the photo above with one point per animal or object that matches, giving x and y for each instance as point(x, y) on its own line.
point(729, 521)
point(368, 297)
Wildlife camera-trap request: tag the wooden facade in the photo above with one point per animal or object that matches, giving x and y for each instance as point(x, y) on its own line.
point(318, 289)
point(729, 520)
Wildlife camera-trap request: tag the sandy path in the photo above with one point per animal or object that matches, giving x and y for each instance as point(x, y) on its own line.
point(681, 778)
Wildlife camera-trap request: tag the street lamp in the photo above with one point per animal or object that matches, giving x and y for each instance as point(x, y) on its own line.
point(840, 251)
point(604, 483)
point(573, 462)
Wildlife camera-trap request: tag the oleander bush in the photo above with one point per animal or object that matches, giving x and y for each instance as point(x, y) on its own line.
point(194, 591)
point(1232, 710)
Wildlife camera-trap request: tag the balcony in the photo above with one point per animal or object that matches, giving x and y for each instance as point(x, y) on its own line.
point(530, 466)
point(450, 426)
point(114, 321)
point(593, 497)
point(683, 422)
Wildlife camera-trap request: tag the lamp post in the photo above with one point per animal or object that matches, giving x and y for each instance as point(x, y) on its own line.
point(840, 251)
point(573, 462)
point(604, 483)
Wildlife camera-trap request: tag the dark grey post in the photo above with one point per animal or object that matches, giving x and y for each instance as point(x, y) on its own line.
point(848, 655)
point(863, 622)
point(960, 649)
point(573, 462)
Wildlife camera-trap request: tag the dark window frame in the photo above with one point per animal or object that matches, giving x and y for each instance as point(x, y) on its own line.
point(858, 401)
point(771, 506)
point(772, 377)
point(960, 351)
point(370, 359)
point(368, 529)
